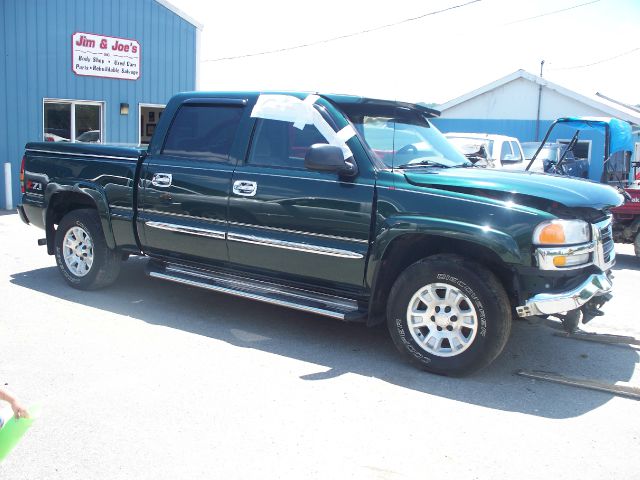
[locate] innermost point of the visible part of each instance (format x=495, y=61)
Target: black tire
x=106, y=262
x=636, y=244
x=487, y=299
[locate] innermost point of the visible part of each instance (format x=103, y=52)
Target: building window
x=150, y=115
x=73, y=121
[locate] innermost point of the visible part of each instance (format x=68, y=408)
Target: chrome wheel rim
x=442, y=319
x=77, y=251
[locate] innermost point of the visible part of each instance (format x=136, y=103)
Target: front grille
x=605, y=254
x=607, y=244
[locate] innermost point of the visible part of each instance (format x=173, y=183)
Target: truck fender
x=501, y=243
x=91, y=192
x=440, y=236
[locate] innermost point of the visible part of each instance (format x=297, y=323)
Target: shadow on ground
x=337, y=348
x=626, y=262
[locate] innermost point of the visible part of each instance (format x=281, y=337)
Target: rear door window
x=203, y=131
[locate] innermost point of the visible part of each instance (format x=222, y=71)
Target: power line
x=348, y=35
x=599, y=61
x=550, y=13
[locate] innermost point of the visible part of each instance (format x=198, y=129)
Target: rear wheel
x=448, y=315
x=81, y=251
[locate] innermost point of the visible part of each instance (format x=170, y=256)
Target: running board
x=322, y=304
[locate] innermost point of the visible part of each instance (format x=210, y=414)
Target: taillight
x=22, y=187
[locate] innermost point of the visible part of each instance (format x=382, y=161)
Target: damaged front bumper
x=595, y=285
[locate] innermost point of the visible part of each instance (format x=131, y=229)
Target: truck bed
x=102, y=150
x=105, y=172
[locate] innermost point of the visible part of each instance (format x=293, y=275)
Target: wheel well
x=408, y=249
x=59, y=205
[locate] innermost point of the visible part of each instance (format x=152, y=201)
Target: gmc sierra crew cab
x=353, y=208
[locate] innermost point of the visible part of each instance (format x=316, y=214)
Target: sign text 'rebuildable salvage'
x=103, y=56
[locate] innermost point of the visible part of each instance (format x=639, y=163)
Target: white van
x=499, y=151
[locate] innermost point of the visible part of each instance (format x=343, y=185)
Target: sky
x=432, y=59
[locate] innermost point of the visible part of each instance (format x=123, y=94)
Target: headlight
x=563, y=244
x=562, y=232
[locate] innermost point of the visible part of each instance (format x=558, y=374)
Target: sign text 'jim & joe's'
x=103, y=56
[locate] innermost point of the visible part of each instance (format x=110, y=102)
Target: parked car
x=498, y=151
x=550, y=155
x=282, y=198
x=90, y=136
x=52, y=137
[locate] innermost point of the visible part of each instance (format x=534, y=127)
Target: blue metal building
x=89, y=70
x=523, y=105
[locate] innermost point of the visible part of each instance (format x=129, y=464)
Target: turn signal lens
x=571, y=260
x=560, y=261
x=552, y=234
x=562, y=232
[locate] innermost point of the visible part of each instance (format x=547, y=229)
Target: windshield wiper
x=423, y=163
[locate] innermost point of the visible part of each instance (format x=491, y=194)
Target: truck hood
x=570, y=192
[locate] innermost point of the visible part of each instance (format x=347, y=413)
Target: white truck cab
x=499, y=151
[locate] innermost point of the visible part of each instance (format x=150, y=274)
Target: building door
x=149, y=115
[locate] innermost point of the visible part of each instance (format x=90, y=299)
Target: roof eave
x=181, y=14
x=593, y=103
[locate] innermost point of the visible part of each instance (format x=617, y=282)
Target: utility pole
x=539, y=102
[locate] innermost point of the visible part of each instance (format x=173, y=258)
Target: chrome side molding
x=255, y=240
x=203, y=232
x=300, y=247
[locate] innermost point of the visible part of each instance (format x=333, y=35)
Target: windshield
x=404, y=138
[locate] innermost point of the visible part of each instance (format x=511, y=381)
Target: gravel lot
x=154, y=380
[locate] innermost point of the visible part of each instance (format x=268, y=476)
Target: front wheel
x=82, y=254
x=448, y=315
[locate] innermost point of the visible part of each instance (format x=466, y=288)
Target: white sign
x=103, y=56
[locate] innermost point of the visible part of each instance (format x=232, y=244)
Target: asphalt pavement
x=153, y=380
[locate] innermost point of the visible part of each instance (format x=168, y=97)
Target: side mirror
x=328, y=158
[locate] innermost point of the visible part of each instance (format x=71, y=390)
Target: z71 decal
x=31, y=185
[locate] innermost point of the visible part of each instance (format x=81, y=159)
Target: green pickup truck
x=349, y=207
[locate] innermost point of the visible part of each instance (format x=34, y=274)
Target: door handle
x=161, y=180
x=245, y=188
